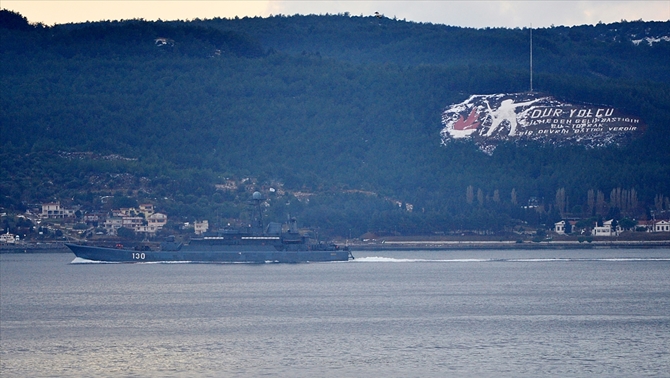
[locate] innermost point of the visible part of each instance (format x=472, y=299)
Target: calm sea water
x=393, y=314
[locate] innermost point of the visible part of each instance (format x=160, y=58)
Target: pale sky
x=478, y=14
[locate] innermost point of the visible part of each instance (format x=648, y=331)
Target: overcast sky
x=478, y=14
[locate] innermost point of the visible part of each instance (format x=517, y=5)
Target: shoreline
x=506, y=245
x=34, y=248
x=416, y=245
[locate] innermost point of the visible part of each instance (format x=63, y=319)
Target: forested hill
x=341, y=110
x=602, y=50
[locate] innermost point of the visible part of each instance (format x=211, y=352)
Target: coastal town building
x=142, y=220
x=155, y=222
x=607, y=229
x=112, y=224
x=126, y=212
x=54, y=210
x=559, y=227
x=645, y=225
x=662, y=226
x=8, y=238
x=147, y=209
x=90, y=218
x=133, y=223
x=201, y=227
x=653, y=226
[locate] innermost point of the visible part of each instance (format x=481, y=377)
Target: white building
x=662, y=226
x=559, y=227
x=133, y=223
x=112, y=224
x=128, y=218
x=201, y=227
x=154, y=223
x=157, y=221
x=54, y=210
x=147, y=209
x=606, y=229
x=8, y=238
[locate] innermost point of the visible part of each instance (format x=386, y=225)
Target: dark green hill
x=603, y=50
x=333, y=105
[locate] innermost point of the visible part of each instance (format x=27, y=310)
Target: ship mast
x=257, y=198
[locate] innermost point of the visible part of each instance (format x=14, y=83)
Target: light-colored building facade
x=150, y=225
x=201, y=227
x=8, y=238
x=559, y=227
x=53, y=210
x=662, y=226
x=133, y=223
x=155, y=222
x=147, y=209
x=607, y=229
x=112, y=224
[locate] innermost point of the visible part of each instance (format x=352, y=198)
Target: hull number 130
x=138, y=256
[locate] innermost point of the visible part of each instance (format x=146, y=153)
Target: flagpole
x=531, y=58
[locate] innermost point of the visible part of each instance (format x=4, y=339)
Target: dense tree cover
x=344, y=107
x=602, y=50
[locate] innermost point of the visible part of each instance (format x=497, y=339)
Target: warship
x=276, y=243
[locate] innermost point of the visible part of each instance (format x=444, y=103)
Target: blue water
x=394, y=314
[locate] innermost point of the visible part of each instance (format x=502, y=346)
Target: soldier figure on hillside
x=505, y=112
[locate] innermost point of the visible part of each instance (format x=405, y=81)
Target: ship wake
x=379, y=259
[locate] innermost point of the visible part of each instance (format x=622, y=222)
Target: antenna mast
x=531, y=58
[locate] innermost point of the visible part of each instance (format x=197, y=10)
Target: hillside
x=602, y=50
x=340, y=115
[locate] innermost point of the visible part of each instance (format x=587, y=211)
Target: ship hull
x=205, y=255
